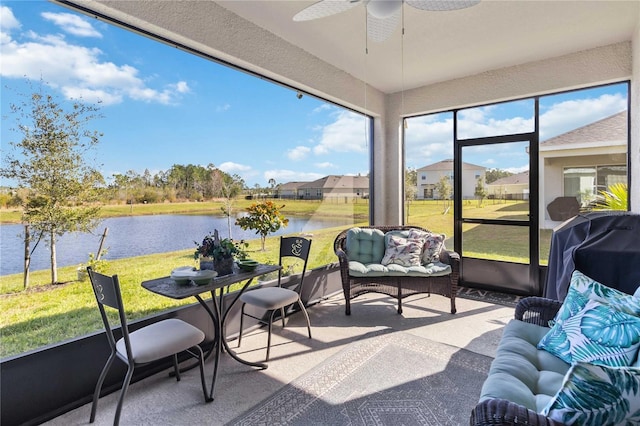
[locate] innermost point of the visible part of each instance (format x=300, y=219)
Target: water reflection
x=135, y=236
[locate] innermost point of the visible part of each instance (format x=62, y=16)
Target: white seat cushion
x=160, y=340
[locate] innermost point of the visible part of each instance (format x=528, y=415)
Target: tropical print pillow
x=597, y=334
x=402, y=251
x=582, y=285
x=595, y=395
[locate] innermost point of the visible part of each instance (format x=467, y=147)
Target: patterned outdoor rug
x=489, y=296
x=392, y=378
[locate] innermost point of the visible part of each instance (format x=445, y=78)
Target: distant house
x=583, y=162
x=429, y=176
x=514, y=187
x=288, y=190
x=335, y=186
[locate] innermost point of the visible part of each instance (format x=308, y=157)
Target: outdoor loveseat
x=397, y=261
x=583, y=371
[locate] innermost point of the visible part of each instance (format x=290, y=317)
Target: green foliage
x=614, y=198
x=264, y=218
x=213, y=246
x=99, y=265
x=50, y=163
x=492, y=175
x=480, y=191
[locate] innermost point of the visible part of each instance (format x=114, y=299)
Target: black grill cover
x=604, y=246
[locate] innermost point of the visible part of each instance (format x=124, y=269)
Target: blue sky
x=162, y=106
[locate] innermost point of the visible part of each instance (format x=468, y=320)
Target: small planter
x=223, y=266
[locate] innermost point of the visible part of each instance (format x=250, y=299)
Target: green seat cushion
x=359, y=269
x=521, y=373
x=365, y=245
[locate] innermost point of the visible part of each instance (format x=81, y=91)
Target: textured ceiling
x=440, y=46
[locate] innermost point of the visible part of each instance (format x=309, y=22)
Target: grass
x=300, y=208
x=46, y=314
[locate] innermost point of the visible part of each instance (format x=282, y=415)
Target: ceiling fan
x=382, y=15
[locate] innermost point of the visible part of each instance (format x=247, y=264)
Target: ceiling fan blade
x=379, y=30
x=324, y=8
x=441, y=5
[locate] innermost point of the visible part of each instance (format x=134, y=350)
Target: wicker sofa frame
x=394, y=286
x=534, y=310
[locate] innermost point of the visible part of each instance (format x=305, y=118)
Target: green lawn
x=46, y=314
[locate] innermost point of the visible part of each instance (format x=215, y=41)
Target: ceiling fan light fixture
x=382, y=9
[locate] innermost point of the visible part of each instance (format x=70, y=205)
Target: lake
x=134, y=236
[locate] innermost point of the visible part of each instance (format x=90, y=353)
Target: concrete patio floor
x=160, y=400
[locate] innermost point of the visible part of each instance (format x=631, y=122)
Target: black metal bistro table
x=167, y=287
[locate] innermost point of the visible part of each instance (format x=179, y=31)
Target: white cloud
x=516, y=170
x=231, y=167
x=72, y=24
x=298, y=153
x=284, y=176
x=75, y=69
x=221, y=108
x=325, y=165
x=469, y=128
x=323, y=107
x=428, y=140
x=568, y=115
x=345, y=134
x=8, y=21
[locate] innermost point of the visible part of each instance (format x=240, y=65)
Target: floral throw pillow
x=433, y=245
x=597, y=334
x=595, y=395
x=402, y=251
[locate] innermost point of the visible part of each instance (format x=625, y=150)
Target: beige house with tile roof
x=584, y=161
x=288, y=190
x=335, y=186
x=514, y=187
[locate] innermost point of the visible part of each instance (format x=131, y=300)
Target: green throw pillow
x=593, y=290
x=597, y=334
x=595, y=395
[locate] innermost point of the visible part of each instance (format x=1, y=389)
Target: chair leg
x=176, y=370
x=306, y=315
x=282, y=316
x=197, y=353
x=96, y=392
x=269, y=334
x=123, y=392
x=241, y=323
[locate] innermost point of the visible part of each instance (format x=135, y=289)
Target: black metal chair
x=274, y=299
x=163, y=339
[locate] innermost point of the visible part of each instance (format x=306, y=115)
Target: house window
x=586, y=183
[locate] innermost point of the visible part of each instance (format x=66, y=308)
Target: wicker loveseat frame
x=494, y=411
x=397, y=287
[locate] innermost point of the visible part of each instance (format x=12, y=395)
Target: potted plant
x=219, y=254
x=96, y=263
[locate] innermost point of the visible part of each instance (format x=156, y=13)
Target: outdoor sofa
x=397, y=261
x=584, y=370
